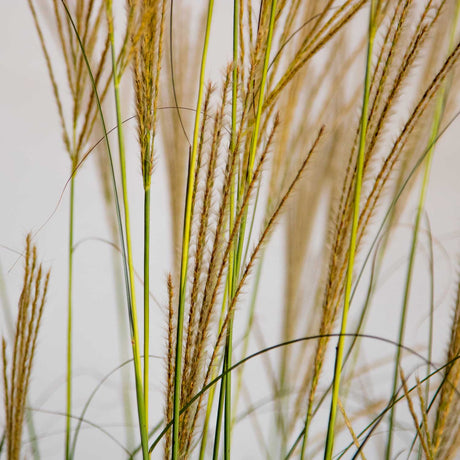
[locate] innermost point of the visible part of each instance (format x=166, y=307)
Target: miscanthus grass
x=313, y=133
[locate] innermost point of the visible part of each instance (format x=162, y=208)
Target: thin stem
x=352, y=249
x=228, y=391
x=402, y=324
x=260, y=104
x=186, y=241
x=235, y=260
x=74, y=164
x=227, y=381
x=220, y=410
x=212, y=390
x=69, y=316
x=146, y=300
x=134, y=326
x=207, y=417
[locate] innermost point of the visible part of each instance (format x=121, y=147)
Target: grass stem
x=186, y=241
x=353, y=237
x=69, y=316
x=232, y=273
x=146, y=300
x=135, y=334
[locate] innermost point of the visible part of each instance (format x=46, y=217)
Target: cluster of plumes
x=16, y=374
x=77, y=116
x=227, y=179
x=92, y=20
x=213, y=240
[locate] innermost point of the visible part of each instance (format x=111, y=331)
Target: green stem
x=207, y=417
x=186, y=241
x=260, y=103
x=402, y=324
x=123, y=339
x=134, y=326
x=212, y=390
x=235, y=260
x=69, y=316
x=352, y=249
x=220, y=411
x=146, y=300
x=227, y=381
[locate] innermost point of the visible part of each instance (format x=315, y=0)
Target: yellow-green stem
x=207, y=417
x=232, y=273
x=134, y=325
x=235, y=258
x=212, y=390
x=69, y=316
x=146, y=300
x=186, y=241
x=228, y=391
x=402, y=324
x=353, y=237
x=260, y=104
x=220, y=411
